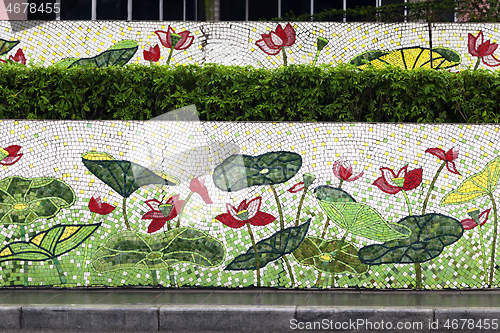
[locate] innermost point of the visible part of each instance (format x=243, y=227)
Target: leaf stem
x=292, y=279
x=284, y=56
x=326, y=227
x=300, y=206
x=256, y=254
x=124, y=209
x=59, y=269
x=494, y=244
x=477, y=63
x=282, y=222
x=424, y=207
x=418, y=277
x=485, y=266
x=182, y=208
x=337, y=254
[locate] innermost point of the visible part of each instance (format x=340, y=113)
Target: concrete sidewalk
x=157, y=310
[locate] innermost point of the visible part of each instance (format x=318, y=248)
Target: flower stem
x=337, y=254
x=182, y=208
x=477, y=63
x=124, y=208
x=485, y=267
x=418, y=277
x=289, y=270
x=282, y=223
x=316, y=57
x=494, y=244
x=284, y=56
x=300, y=207
x=170, y=55
x=424, y=207
x=341, y=182
x=407, y=202
x=256, y=254
x=326, y=227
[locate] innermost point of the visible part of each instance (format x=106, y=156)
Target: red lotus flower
x=449, y=157
x=273, y=43
x=161, y=213
x=392, y=183
x=297, y=187
x=484, y=50
x=184, y=42
x=245, y=213
x=19, y=57
x=152, y=54
x=10, y=155
x=198, y=186
x=344, y=172
x=469, y=224
x=99, y=207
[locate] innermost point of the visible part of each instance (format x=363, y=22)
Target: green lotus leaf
x=241, y=171
x=24, y=200
x=48, y=244
x=409, y=58
x=270, y=249
x=322, y=253
x=362, y=220
x=430, y=234
x=332, y=194
x=7, y=45
x=117, y=55
x=133, y=250
x=480, y=184
x=123, y=176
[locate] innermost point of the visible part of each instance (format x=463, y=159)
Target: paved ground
x=156, y=310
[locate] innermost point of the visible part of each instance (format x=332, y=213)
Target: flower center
x=243, y=215
x=3, y=151
x=400, y=181
x=325, y=257
x=264, y=171
x=474, y=213
x=20, y=206
x=154, y=256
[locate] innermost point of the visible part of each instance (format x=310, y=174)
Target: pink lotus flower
x=469, y=224
x=152, y=54
x=184, y=42
x=483, y=50
x=161, y=213
x=245, y=213
x=198, y=186
x=10, y=155
x=449, y=157
x=343, y=171
x=273, y=43
x=391, y=183
x=99, y=207
x=19, y=57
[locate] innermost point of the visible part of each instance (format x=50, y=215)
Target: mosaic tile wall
x=215, y=204
x=260, y=44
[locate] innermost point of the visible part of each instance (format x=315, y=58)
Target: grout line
x=103, y=298
x=210, y=294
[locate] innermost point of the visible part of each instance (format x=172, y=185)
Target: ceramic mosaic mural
x=216, y=204
x=259, y=44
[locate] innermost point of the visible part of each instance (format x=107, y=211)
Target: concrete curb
x=246, y=318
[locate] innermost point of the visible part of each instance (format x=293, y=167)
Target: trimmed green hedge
x=230, y=93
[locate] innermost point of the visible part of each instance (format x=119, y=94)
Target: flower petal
x=233, y=212
x=491, y=61
x=468, y=224
x=389, y=175
x=276, y=39
x=266, y=49
x=198, y=186
x=297, y=187
x=164, y=38
x=153, y=214
x=106, y=209
x=452, y=154
x=153, y=204
x=290, y=33
x=228, y=220
x=156, y=225
x=355, y=177
x=261, y=219
x=13, y=150
x=385, y=187
x=336, y=168
x=412, y=179
x=452, y=168
x=11, y=159
x=253, y=207
x=483, y=217
x=438, y=152
x=472, y=45
x=185, y=41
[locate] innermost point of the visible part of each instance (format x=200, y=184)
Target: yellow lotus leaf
x=475, y=186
